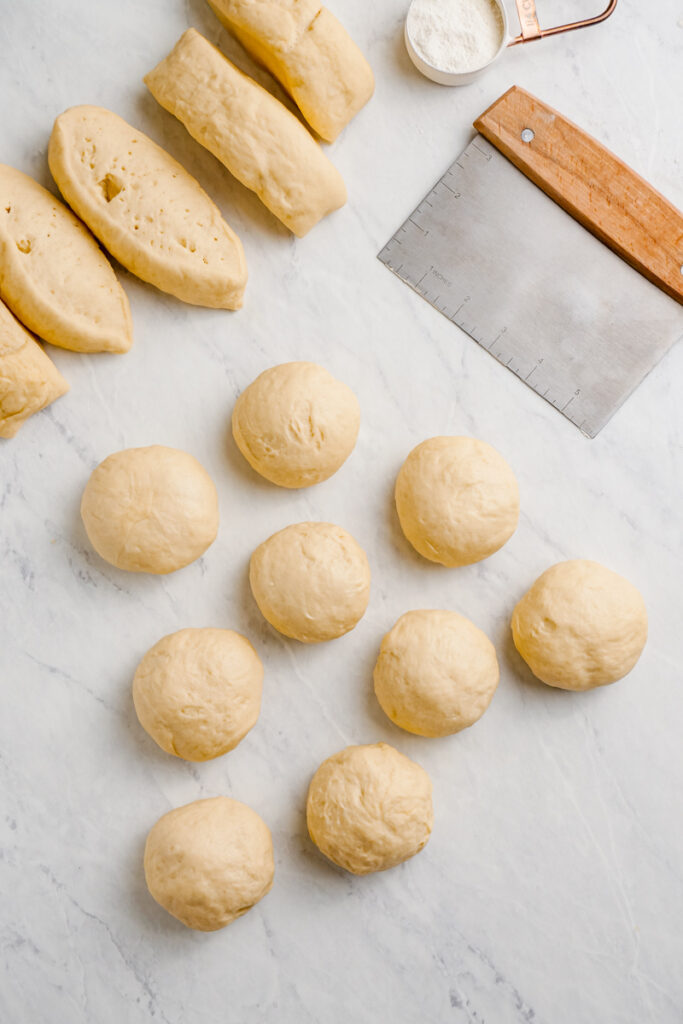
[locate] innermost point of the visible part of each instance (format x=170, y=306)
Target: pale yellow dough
x=296, y=424
x=146, y=209
x=29, y=380
x=197, y=692
x=436, y=673
x=369, y=808
x=53, y=274
x=209, y=862
x=150, y=509
x=304, y=46
x=254, y=135
x=457, y=500
x=311, y=581
x=580, y=626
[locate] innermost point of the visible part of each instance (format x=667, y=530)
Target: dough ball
x=150, y=509
x=209, y=862
x=296, y=424
x=369, y=808
x=457, y=500
x=311, y=581
x=581, y=625
x=436, y=673
x=197, y=692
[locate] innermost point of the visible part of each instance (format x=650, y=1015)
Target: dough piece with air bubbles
x=209, y=862
x=369, y=808
x=197, y=692
x=436, y=673
x=146, y=209
x=457, y=500
x=311, y=581
x=150, y=509
x=53, y=275
x=580, y=626
x=29, y=380
x=296, y=424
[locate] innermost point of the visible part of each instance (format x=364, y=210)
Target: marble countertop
x=552, y=888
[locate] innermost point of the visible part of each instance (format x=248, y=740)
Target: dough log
x=29, y=380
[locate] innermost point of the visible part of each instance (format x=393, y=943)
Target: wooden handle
x=590, y=183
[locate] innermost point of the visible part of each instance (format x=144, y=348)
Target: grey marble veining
x=552, y=888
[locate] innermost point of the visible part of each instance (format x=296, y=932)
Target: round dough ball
x=311, y=581
x=580, y=626
x=436, y=673
x=150, y=509
x=209, y=862
x=369, y=808
x=296, y=424
x=457, y=500
x=197, y=692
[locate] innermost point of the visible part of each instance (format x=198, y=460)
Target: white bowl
x=455, y=77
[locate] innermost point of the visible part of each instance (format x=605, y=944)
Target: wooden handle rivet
x=528, y=135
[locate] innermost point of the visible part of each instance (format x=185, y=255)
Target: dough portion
x=150, y=509
x=53, y=275
x=152, y=215
x=580, y=626
x=29, y=380
x=369, y=808
x=197, y=692
x=311, y=581
x=310, y=53
x=254, y=135
x=436, y=673
x=457, y=500
x=296, y=424
x=209, y=862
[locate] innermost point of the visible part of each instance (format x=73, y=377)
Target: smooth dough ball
x=369, y=808
x=457, y=500
x=150, y=509
x=311, y=581
x=581, y=625
x=197, y=692
x=436, y=673
x=296, y=424
x=209, y=862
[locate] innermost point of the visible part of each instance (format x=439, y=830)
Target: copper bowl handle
x=531, y=29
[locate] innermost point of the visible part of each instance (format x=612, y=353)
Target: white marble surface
x=552, y=888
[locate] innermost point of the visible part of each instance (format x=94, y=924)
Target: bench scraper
x=580, y=307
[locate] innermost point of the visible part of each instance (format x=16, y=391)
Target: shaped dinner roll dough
x=209, y=862
x=146, y=209
x=150, y=509
x=580, y=626
x=254, y=135
x=369, y=808
x=457, y=500
x=436, y=673
x=197, y=692
x=296, y=424
x=29, y=380
x=53, y=274
x=311, y=581
x=309, y=52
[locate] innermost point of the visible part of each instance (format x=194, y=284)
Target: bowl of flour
x=453, y=41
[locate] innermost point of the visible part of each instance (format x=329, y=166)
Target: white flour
x=455, y=35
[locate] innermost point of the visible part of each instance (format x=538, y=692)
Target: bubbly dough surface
x=29, y=380
x=152, y=215
x=209, y=862
x=296, y=424
x=197, y=692
x=150, y=509
x=580, y=626
x=457, y=500
x=369, y=808
x=436, y=673
x=311, y=581
x=53, y=275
